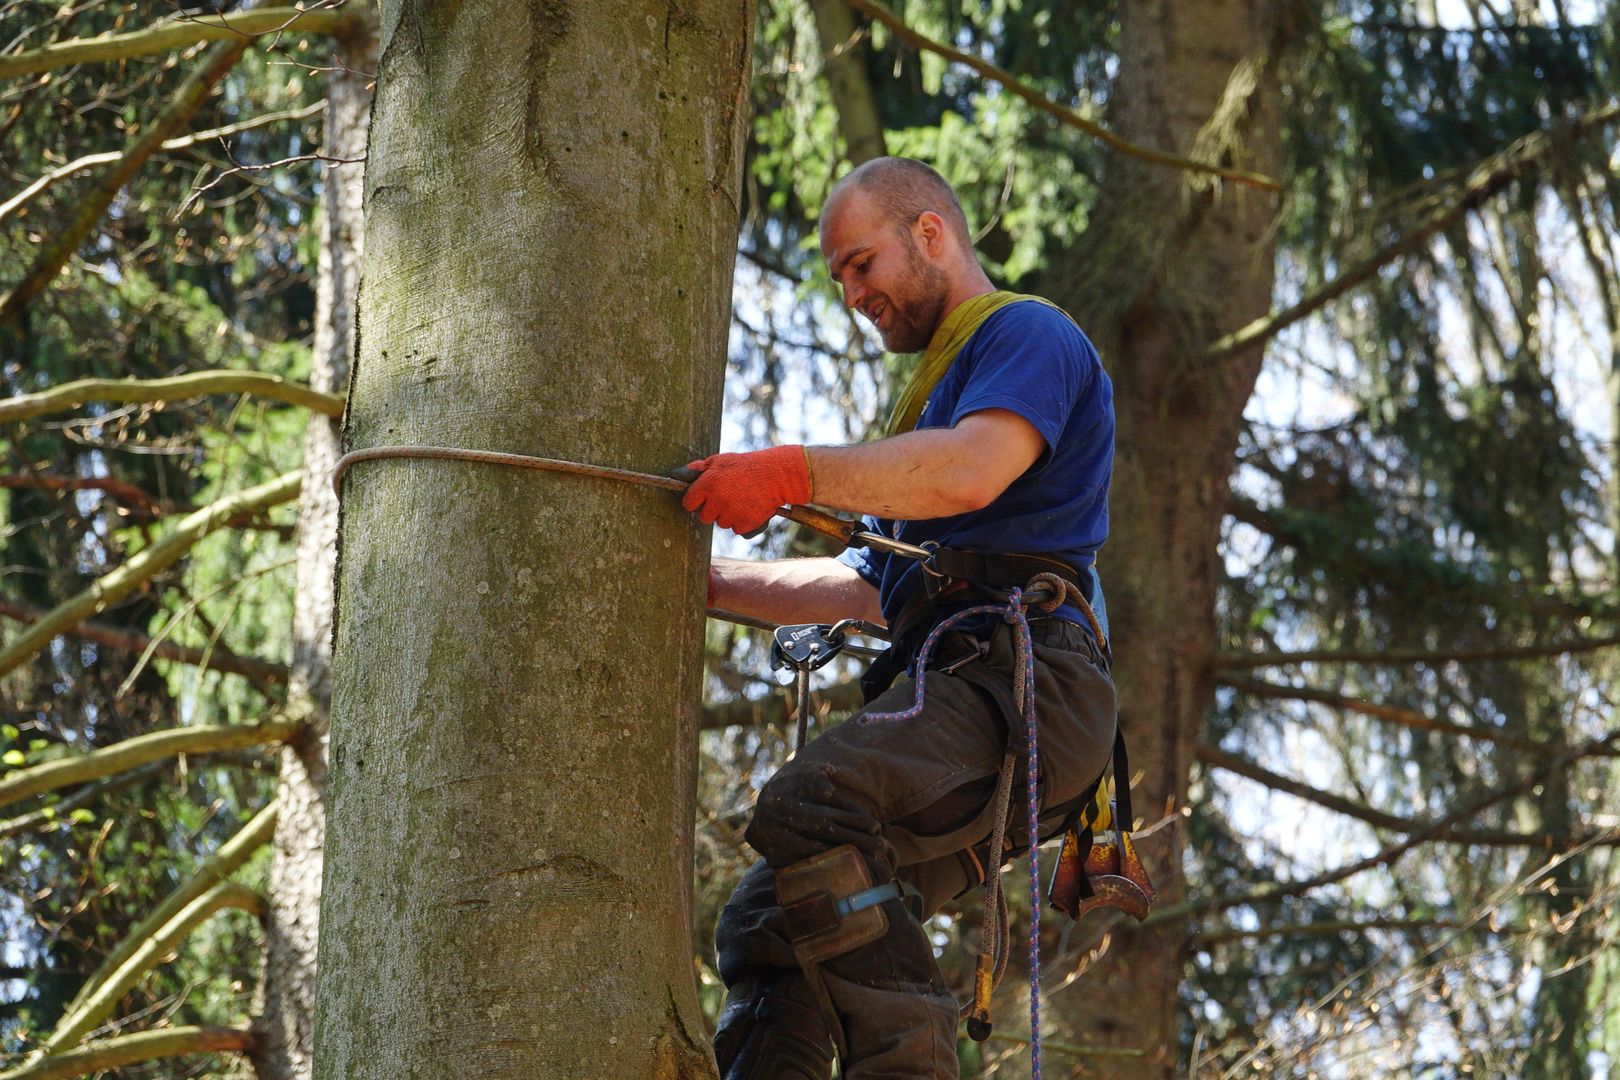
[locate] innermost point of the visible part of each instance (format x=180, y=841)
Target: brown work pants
x=913, y=796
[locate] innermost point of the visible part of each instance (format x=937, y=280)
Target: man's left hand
x=741, y=492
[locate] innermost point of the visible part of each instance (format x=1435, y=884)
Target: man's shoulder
x=1033, y=321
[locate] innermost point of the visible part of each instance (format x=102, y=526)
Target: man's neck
x=971, y=285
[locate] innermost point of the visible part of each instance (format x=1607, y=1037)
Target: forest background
x=1380, y=798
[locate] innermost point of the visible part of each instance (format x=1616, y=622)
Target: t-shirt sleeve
x=861, y=559
x=1031, y=360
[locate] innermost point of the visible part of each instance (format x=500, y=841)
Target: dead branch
x=1396, y=714
x=1236, y=661
x=1220, y=759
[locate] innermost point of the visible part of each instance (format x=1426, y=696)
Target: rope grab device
x=1097, y=865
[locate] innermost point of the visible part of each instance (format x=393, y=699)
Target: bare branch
x=90, y=161
x=19, y=784
x=1485, y=180
x=1238, y=661
x=176, y=388
x=197, y=193
x=54, y=254
x=224, y=862
x=146, y=955
x=239, y=27
x=143, y=566
x=131, y=1049
x=1045, y=104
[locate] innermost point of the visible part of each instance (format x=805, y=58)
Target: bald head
x=903, y=190
x=897, y=244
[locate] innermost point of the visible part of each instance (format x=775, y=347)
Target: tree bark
x=283, y=1026
x=1170, y=265
x=551, y=222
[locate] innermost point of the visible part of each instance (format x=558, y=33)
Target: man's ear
x=930, y=232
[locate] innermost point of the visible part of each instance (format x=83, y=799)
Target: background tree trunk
x=550, y=228
x=1170, y=264
x=284, y=1020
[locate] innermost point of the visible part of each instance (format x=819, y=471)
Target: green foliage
x=154, y=290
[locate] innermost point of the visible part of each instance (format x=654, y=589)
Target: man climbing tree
x=998, y=460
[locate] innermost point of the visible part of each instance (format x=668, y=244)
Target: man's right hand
x=741, y=492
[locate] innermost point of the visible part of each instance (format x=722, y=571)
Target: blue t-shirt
x=1029, y=359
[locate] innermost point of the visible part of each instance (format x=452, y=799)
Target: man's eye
x=861, y=269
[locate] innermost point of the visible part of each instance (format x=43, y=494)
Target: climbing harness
x=1117, y=883
x=1089, y=873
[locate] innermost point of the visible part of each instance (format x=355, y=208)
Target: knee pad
x=802, y=813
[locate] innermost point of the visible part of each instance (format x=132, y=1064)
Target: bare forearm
x=937, y=472
x=794, y=590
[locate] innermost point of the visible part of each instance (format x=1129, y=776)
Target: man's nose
x=853, y=296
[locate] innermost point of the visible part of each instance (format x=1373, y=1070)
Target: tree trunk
x=1170, y=265
x=843, y=65
x=551, y=220
x=284, y=1020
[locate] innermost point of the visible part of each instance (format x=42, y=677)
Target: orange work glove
x=741, y=492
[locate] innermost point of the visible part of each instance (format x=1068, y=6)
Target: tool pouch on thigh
x=831, y=908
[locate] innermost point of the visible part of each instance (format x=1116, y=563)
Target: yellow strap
x=948, y=340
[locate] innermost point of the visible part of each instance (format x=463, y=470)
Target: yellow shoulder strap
x=949, y=338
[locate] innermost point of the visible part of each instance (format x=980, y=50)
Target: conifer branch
x=1485, y=180
x=20, y=784
x=238, y=27
x=1010, y=82
x=224, y=862
x=1323, y=928
x=56, y=251
x=143, y=566
x=132, y=1049
x=1601, y=747
x=175, y=388
x=1397, y=714
x=1238, y=661
x=146, y=955
x=1220, y=759
x=90, y=161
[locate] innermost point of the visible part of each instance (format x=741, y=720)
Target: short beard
x=917, y=316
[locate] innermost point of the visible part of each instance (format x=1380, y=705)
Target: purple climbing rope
x=1013, y=613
